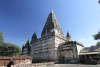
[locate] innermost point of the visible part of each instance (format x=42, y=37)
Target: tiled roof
x=15, y=57
x=72, y=42
x=91, y=49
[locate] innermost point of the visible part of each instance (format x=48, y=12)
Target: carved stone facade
x=15, y=60
x=69, y=51
x=42, y=49
x=46, y=47
x=26, y=48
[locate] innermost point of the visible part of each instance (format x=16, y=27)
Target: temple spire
x=51, y=10
x=51, y=24
x=34, y=32
x=67, y=30
x=24, y=42
x=68, y=36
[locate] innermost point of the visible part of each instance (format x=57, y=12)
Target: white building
x=46, y=47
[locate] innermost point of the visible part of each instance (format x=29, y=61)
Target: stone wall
x=34, y=65
x=16, y=60
x=43, y=49
x=68, y=51
x=46, y=49
x=4, y=62
x=22, y=61
x=58, y=41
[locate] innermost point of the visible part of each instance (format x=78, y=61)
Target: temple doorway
x=63, y=59
x=10, y=63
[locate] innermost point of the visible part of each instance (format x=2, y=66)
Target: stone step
x=35, y=65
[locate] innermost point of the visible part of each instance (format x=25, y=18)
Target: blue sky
x=20, y=18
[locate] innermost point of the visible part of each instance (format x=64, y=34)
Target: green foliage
x=98, y=43
x=1, y=38
x=9, y=50
x=97, y=36
x=95, y=56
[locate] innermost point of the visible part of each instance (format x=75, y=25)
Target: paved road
x=68, y=65
x=73, y=65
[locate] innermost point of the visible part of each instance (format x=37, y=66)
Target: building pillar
x=85, y=56
x=73, y=53
x=76, y=52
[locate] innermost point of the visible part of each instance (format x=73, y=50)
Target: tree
x=98, y=43
x=1, y=38
x=9, y=50
x=97, y=36
x=13, y=49
x=99, y=1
